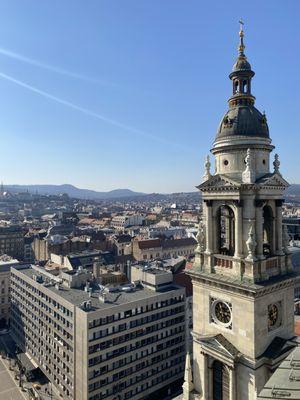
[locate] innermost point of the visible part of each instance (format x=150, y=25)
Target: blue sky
x=107, y=94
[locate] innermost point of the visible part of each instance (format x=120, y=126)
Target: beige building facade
x=151, y=249
x=96, y=345
x=243, y=281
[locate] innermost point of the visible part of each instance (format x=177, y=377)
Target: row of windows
x=135, y=311
x=132, y=358
x=154, y=340
x=26, y=308
x=39, y=294
x=140, y=332
x=140, y=388
x=38, y=304
x=135, y=323
x=174, y=254
x=30, y=320
x=117, y=377
x=42, y=351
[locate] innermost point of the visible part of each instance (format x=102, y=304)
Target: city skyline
x=113, y=96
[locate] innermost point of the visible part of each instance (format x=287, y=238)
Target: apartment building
x=6, y=262
x=121, y=222
x=150, y=249
x=12, y=241
x=94, y=344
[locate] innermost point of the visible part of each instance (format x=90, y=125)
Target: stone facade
x=243, y=281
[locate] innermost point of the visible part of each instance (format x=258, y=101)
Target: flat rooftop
x=77, y=296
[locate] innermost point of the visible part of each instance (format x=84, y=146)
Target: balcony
x=223, y=261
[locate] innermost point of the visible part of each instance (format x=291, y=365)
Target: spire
x=188, y=385
x=241, y=47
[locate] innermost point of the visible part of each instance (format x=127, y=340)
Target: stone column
x=206, y=382
x=278, y=204
x=274, y=238
x=232, y=387
x=259, y=229
x=238, y=230
x=209, y=227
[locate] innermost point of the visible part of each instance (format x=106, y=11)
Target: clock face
x=273, y=315
x=221, y=313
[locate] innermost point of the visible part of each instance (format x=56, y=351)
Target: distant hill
x=73, y=191
x=292, y=193
x=293, y=190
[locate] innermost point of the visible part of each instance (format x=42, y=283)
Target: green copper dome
x=243, y=121
x=242, y=118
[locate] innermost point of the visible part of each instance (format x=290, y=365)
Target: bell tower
x=243, y=282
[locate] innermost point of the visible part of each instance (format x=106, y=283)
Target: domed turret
x=243, y=126
x=242, y=118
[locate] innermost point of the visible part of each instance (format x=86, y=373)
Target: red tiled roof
x=149, y=244
x=171, y=243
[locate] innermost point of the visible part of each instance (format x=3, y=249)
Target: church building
x=243, y=281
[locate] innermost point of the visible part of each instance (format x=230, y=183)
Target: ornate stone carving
x=248, y=175
x=276, y=164
x=207, y=166
x=200, y=238
x=251, y=244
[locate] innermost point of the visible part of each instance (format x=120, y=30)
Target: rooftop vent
x=86, y=305
x=102, y=297
x=38, y=278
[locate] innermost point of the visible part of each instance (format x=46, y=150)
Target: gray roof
x=77, y=296
x=243, y=121
x=285, y=381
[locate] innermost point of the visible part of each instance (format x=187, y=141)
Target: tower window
x=245, y=87
x=268, y=234
x=236, y=86
x=226, y=231
x=264, y=161
x=226, y=162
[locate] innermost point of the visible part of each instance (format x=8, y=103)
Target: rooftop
x=284, y=383
x=122, y=296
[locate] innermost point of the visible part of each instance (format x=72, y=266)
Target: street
x=9, y=389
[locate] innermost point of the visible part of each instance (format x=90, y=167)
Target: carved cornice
x=253, y=291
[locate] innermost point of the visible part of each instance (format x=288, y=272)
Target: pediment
x=273, y=180
x=219, y=344
x=218, y=182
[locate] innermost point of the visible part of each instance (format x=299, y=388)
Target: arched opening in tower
x=220, y=381
x=268, y=234
x=226, y=231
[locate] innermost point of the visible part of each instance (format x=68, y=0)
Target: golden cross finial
x=241, y=47
x=241, y=24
